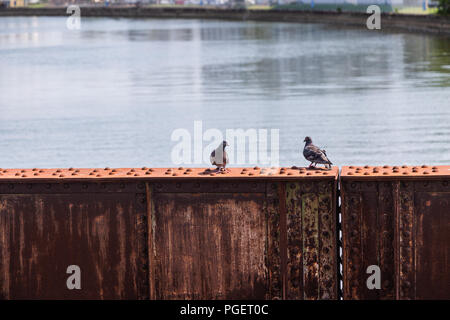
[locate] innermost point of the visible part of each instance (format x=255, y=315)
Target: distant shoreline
x=400, y=22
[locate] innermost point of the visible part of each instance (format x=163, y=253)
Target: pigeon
x=315, y=155
x=219, y=157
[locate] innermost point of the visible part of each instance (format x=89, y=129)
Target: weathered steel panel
x=261, y=233
x=43, y=234
x=209, y=246
x=311, y=232
x=396, y=218
x=275, y=281
x=432, y=246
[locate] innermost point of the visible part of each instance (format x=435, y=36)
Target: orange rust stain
x=176, y=173
x=394, y=171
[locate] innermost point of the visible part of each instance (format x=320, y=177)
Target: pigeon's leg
x=311, y=165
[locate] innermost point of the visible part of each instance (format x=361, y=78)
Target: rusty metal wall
x=399, y=219
x=169, y=233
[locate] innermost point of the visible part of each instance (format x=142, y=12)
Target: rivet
x=148, y=172
x=17, y=174
x=107, y=168
x=426, y=172
x=308, y=174
x=385, y=166
x=137, y=174
x=366, y=173
x=174, y=175
x=424, y=166
x=350, y=173
x=351, y=167
x=385, y=173
x=34, y=169
x=70, y=169
x=256, y=168
x=132, y=170
x=144, y=168
x=61, y=176
x=366, y=166
x=129, y=173
x=180, y=168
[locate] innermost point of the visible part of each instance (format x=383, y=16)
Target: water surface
x=112, y=93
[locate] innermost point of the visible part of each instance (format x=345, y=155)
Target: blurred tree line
x=444, y=6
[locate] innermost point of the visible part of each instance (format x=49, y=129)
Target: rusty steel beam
x=398, y=219
x=169, y=233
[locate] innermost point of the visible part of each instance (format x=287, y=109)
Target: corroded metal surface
x=151, y=173
x=389, y=172
x=168, y=233
x=400, y=223
x=42, y=234
x=311, y=235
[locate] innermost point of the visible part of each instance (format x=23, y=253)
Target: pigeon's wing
x=314, y=154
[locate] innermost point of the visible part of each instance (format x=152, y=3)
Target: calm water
x=112, y=93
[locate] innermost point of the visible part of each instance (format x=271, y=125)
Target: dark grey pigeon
x=314, y=154
x=219, y=157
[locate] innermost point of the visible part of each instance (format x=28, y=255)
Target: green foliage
x=444, y=7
